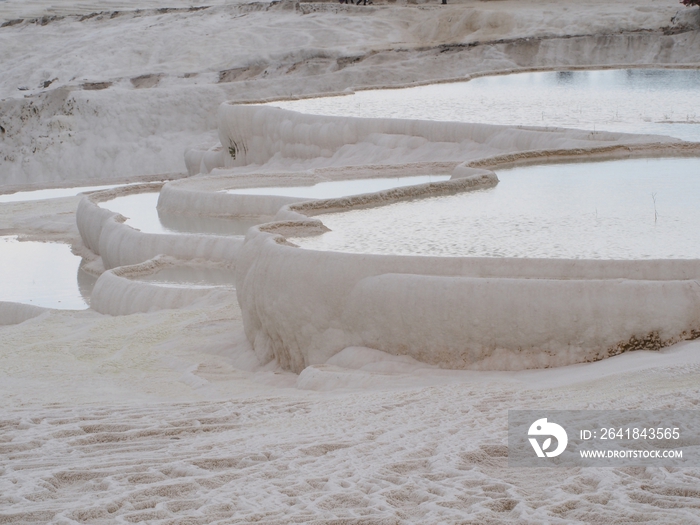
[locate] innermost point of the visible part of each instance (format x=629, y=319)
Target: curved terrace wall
x=116, y=293
x=105, y=234
x=257, y=135
x=301, y=306
x=204, y=196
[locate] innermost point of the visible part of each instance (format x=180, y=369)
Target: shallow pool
x=54, y=193
x=191, y=277
x=40, y=273
x=140, y=210
x=658, y=101
x=341, y=188
x=625, y=209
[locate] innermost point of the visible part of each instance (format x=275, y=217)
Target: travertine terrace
x=306, y=396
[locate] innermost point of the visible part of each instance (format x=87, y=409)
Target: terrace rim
x=301, y=307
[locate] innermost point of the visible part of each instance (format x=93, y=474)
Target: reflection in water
x=661, y=101
x=191, y=277
x=39, y=273
x=565, y=77
x=139, y=209
x=629, y=209
x=341, y=188
x=86, y=282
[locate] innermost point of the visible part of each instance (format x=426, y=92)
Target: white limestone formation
x=262, y=135
x=162, y=412
x=14, y=313
x=117, y=292
x=106, y=235
x=301, y=307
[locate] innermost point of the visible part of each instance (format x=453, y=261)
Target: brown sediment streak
x=113, y=193
x=295, y=228
x=382, y=198
x=650, y=341
x=654, y=149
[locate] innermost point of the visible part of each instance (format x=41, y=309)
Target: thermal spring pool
x=622, y=209
x=40, y=274
x=654, y=101
x=142, y=214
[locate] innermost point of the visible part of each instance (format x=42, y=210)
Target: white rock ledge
x=301, y=307
x=105, y=234
x=265, y=135
x=117, y=293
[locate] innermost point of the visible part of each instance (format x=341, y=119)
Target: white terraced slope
x=169, y=404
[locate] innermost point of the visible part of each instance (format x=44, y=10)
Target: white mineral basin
x=341, y=188
x=140, y=210
x=191, y=277
x=654, y=101
x=623, y=209
x=54, y=193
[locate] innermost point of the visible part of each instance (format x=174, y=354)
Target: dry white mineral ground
x=167, y=416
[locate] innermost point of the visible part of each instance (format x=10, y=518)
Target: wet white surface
x=140, y=210
x=341, y=188
x=155, y=418
x=661, y=101
x=628, y=209
x=40, y=274
x=191, y=277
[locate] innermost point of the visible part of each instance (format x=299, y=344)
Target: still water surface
x=140, y=210
x=40, y=273
x=54, y=193
x=142, y=214
x=341, y=188
x=191, y=277
x=625, y=209
x=655, y=101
